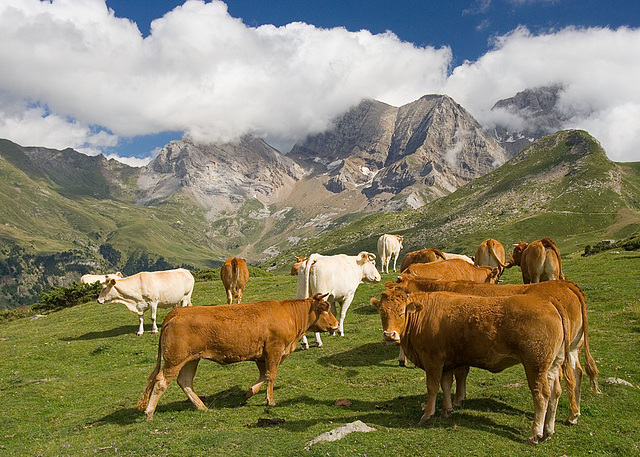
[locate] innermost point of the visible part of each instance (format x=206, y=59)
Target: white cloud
x=201, y=71
x=204, y=73
x=597, y=68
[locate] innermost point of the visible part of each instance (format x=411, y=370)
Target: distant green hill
x=63, y=214
x=563, y=186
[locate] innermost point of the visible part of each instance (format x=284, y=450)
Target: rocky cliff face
x=219, y=177
x=528, y=116
x=399, y=156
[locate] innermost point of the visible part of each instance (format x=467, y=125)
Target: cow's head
x=516, y=256
x=368, y=263
x=400, y=239
x=393, y=307
x=322, y=320
x=296, y=266
x=108, y=291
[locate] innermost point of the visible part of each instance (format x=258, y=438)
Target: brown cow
x=422, y=256
x=265, y=332
x=296, y=266
x=564, y=294
x=539, y=260
x=490, y=253
x=235, y=275
x=454, y=270
x=441, y=331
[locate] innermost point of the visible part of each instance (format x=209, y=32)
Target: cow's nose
x=100, y=300
x=390, y=336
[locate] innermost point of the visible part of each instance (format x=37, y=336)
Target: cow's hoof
x=148, y=416
x=319, y=345
x=446, y=413
x=532, y=440
x=139, y=334
x=402, y=363
x=304, y=347
x=155, y=330
x=424, y=419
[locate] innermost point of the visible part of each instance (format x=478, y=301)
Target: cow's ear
x=414, y=307
x=119, y=274
x=375, y=303
x=371, y=257
x=111, y=282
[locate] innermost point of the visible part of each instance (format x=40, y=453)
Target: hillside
x=562, y=186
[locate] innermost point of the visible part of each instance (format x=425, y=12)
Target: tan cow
x=296, y=266
x=564, y=294
x=234, y=275
x=426, y=255
x=453, y=270
x=90, y=279
x=442, y=331
x=490, y=253
x=389, y=246
x=149, y=289
x=265, y=332
x=539, y=260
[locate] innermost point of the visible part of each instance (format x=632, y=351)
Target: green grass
x=69, y=383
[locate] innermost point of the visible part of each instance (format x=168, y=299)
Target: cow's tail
x=234, y=275
x=590, y=364
x=151, y=381
x=492, y=250
x=567, y=369
x=549, y=244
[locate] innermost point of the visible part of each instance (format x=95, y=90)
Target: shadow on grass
x=365, y=355
x=122, y=330
x=402, y=412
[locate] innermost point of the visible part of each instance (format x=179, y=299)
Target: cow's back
x=450, y=270
x=167, y=287
x=336, y=275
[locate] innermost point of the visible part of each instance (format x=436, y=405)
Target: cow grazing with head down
x=234, y=275
x=426, y=255
x=296, y=266
x=264, y=332
x=339, y=277
x=454, y=270
x=539, y=260
x=563, y=294
x=149, y=289
x=389, y=246
x=442, y=331
x=490, y=253
x=90, y=279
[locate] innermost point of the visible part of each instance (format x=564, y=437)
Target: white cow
x=149, y=289
x=336, y=275
x=466, y=258
x=389, y=245
x=90, y=279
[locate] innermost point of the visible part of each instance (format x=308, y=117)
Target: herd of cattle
x=446, y=311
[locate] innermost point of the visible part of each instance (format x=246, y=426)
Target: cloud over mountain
x=76, y=75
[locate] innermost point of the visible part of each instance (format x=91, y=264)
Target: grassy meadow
x=69, y=382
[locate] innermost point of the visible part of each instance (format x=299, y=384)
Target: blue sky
x=99, y=77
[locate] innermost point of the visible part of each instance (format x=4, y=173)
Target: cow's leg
x=334, y=311
x=446, y=382
x=343, y=312
x=154, y=310
x=272, y=370
x=163, y=379
x=553, y=377
x=304, y=344
x=140, y=325
x=240, y=292
x=402, y=358
x=460, y=374
x=261, y=379
x=433, y=385
x=572, y=419
x=318, y=340
x=540, y=391
x=229, y=297
x=185, y=380
x=395, y=261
